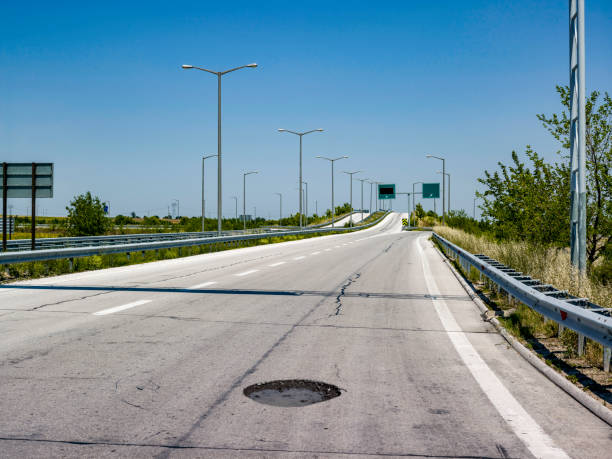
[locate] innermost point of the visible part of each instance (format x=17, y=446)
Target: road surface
x=152, y=360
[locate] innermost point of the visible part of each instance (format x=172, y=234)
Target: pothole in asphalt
x=291, y=392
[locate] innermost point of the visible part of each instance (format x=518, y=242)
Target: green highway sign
x=386, y=191
x=431, y=190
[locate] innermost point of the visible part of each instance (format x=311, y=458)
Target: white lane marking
x=327, y=250
x=121, y=308
x=204, y=284
x=315, y=253
x=338, y=246
x=274, y=265
x=246, y=273
x=523, y=425
x=299, y=258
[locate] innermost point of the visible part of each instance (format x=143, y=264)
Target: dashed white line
x=299, y=258
x=327, y=250
x=204, y=284
x=246, y=273
x=274, y=265
x=315, y=253
x=121, y=308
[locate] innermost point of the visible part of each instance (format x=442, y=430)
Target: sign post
x=25, y=180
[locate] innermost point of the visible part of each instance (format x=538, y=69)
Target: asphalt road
x=151, y=360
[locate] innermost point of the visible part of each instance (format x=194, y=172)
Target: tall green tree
x=598, y=163
x=528, y=202
x=86, y=216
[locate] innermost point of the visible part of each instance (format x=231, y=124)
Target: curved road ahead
x=151, y=360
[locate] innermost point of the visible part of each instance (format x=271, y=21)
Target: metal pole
x=203, y=203
x=219, y=187
x=577, y=136
x=351, y=188
x=333, y=208
x=300, y=187
x=4, y=203
x=33, y=206
x=370, y=207
x=361, y=180
x=244, y=200
x=306, y=205
x=443, y=193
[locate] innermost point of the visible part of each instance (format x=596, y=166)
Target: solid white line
x=315, y=253
x=523, y=425
x=121, y=308
x=205, y=284
x=299, y=258
x=274, y=265
x=246, y=273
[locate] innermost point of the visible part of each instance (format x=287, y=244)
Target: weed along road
x=359, y=344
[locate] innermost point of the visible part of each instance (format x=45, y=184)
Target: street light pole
x=244, y=195
x=204, y=158
x=219, y=181
x=362, y=180
x=280, y=211
x=443, y=187
x=332, y=161
x=350, y=174
x=300, y=134
x=306, y=205
x=577, y=136
x=370, y=207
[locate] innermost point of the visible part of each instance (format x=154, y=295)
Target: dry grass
x=550, y=265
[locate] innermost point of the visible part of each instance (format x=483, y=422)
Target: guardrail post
x=607, y=353
x=71, y=264
x=561, y=328
x=128, y=256
x=143, y=254
x=580, y=344
x=180, y=251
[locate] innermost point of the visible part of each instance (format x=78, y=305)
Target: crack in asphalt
x=352, y=279
x=68, y=301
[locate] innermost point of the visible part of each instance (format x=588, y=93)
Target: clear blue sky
x=98, y=90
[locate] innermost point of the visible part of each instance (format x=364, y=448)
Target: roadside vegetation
x=86, y=218
x=34, y=270
x=525, y=225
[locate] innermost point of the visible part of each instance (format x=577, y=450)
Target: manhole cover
x=291, y=392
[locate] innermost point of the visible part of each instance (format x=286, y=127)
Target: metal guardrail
x=76, y=252
x=578, y=314
x=84, y=241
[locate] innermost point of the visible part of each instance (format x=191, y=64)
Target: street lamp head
x=253, y=65
x=282, y=130
x=344, y=157
x=185, y=66
x=429, y=156
x=319, y=130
